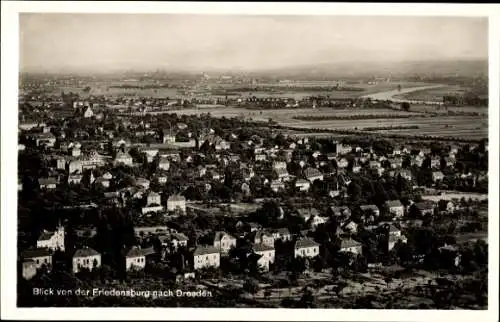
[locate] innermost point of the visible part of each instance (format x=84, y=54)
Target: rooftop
x=85, y=252
x=34, y=253
x=203, y=250
x=261, y=248
x=305, y=242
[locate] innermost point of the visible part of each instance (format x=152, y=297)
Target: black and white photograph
x=260, y=160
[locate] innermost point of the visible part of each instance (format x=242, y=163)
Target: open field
x=445, y=109
x=474, y=127
x=446, y=126
x=433, y=94
x=105, y=88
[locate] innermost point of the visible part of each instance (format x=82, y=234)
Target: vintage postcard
x=331, y=162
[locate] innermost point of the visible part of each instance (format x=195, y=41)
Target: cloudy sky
x=204, y=42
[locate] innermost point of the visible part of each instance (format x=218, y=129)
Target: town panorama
x=314, y=186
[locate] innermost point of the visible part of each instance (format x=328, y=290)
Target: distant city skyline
x=107, y=42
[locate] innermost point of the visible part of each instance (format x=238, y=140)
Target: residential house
x=266, y=253
x=206, y=256
x=341, y=212
x=53, y=240
x=315, y=221
x=86, y=258
x=277, y=185
x=150, y=153
x=404, y=173
x=281, y=174
x=350, y=227
x=394, y=236
x=135, y=258
x=312, y=174
x=437, y=176
x=264, y=237
x=88, y=113
x=75, y=178
x=396, y=163
x=423, y=208
x=342, y=163
x=370, y=210
x=283, y=234
x=122, y=158
x=435, y=162
x=446, y=206
x=306, y=247
x=47, y=183
x=373, y=164
x=102, y=181
x=34, y=259
x=417, y=161
x=176, y=202
x=307, y=213
x=142, y=183
x=153, y=199
x=450, y=162
x=224, y=242
x=349, y=245
x=179, y=240
x=75, y=166
x=395, y=207
x=303, y=185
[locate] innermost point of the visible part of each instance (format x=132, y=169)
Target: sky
x=80, y=42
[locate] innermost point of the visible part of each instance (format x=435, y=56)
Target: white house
x=263, y=237
x=53, y=240
x=351, y=246
x=224, y=242
x=395, y=207
x=306, y=247
x=206, y=256
x=135, y=258
x=313, y=174
x=88, y=113
x=153, y=199
x=47, y=183
x=266, y=253
x=303, y=185
x=175, y=202
x=123, y=158
x=86, y=258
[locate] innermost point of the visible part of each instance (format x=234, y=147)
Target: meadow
x=472, y=127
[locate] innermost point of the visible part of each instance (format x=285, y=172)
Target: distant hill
x=470, y=68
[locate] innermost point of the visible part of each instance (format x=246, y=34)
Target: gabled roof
x=312, y=172
x=135, y=252
x=305, y=242
x=425, y=204
x=85, y=252
x=46, y=181
x=261, y=248
x=176, y=198
x=369, y=207
x=35, y=253
x=393, y=203
x=180, y=237
x=204, y=250
x=348, y=243
x=283, y=231
x=221, y=234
